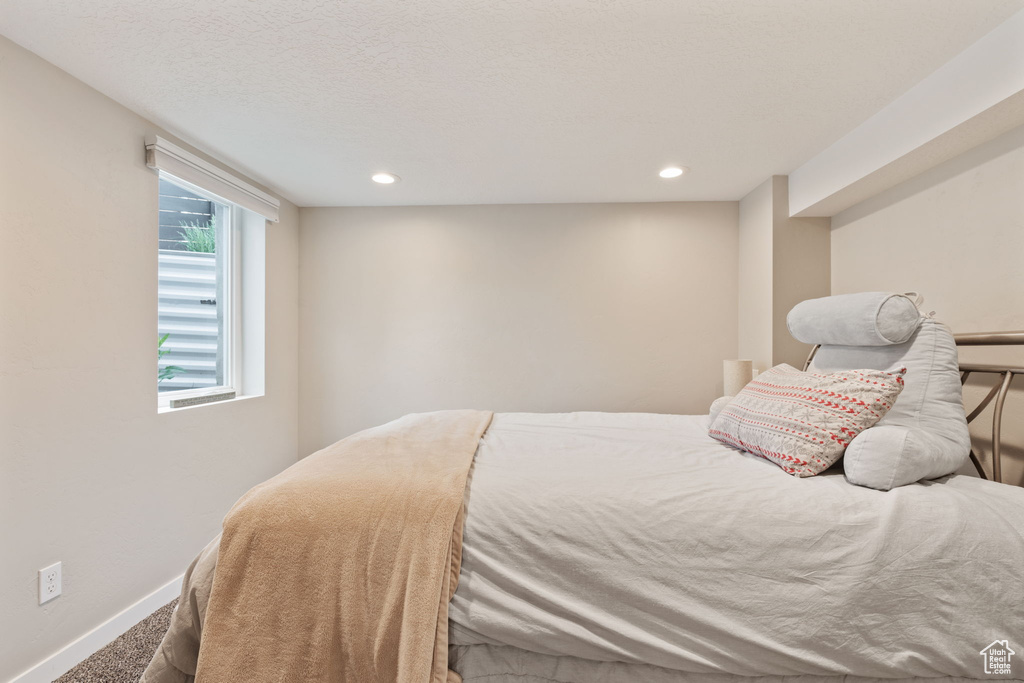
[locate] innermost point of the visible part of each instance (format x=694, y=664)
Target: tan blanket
x=341, y=567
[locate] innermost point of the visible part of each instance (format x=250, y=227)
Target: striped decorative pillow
x=803, y=421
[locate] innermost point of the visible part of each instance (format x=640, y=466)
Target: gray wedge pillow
x=865, y=319
x=925, y=434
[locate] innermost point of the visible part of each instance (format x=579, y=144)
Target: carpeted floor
x=124, y=660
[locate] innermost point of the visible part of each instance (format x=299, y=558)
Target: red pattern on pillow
x=803, y=421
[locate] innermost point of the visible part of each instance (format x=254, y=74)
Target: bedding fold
x=341, y=567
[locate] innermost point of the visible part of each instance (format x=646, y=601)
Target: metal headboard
x=1006, y=374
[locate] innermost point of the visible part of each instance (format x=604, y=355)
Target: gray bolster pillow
x=865, y=319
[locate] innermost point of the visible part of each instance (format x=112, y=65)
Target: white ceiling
x=504, y=101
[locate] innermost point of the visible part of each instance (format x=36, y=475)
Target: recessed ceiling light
x=672, y=172
x=385, y=178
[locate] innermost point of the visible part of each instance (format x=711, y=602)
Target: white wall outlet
x=49, y=583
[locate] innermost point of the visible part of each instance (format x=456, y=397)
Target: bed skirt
x=503, y=664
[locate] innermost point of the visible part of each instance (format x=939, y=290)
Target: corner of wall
x=801, y=267
x=755, y=254
x=782, y=261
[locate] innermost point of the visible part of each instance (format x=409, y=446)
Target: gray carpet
x=124, y=660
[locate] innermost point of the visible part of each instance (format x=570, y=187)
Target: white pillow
x=803, y=421
x=925, y=434
x=716, y=407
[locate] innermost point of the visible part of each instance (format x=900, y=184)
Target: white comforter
x=637, y=538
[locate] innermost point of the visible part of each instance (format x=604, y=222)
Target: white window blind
x=180, y=163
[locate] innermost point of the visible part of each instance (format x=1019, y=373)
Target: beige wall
x=956, y=235
x=90, y=474
x=801, y=270
x=756, y=228
x=782, y=261
x=615, y=307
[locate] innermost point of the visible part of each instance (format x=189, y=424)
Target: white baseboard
x=75, y=652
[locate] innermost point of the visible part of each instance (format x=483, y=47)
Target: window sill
x=167, y=409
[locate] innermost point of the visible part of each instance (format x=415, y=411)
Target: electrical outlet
x=49, y=583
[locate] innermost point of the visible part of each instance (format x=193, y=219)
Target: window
x=211, y=279
x=197, y=293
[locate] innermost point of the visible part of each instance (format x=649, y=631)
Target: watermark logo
x=997, y=657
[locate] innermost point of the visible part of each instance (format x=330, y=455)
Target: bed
x=649, y=545
x=606, y=548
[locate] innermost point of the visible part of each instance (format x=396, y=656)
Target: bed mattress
x=636, y=538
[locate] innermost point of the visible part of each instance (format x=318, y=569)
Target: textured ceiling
x=504, y=101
